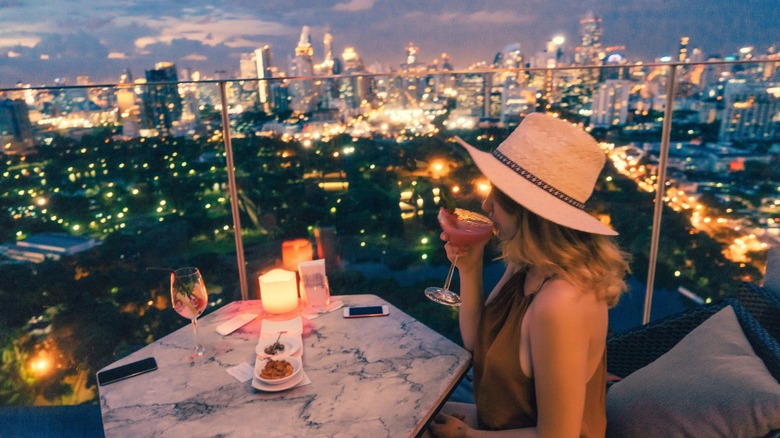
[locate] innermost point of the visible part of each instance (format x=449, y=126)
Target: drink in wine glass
x=464, y=228
x=189, y=298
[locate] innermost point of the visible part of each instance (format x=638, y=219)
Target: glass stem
x=198, y=347
x=449, y=274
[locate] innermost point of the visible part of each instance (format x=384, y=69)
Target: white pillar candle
x=279, y=291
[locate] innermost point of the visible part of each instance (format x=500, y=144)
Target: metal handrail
x=231, y=172
x=400, y=74
x=659, y=194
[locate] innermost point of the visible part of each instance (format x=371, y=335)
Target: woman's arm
x=471, y=292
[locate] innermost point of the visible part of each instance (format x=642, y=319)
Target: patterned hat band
x=537, y=181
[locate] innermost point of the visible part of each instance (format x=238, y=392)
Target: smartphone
x=364, y=311
x=124, y=371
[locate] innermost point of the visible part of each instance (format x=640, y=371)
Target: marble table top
x=380, y=376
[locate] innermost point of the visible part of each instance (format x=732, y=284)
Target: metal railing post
x=231, y=172
x=660, y=192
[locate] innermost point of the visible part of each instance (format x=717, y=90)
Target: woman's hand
x=449, y=426
x=469, y=257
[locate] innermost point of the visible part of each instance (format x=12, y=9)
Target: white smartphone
x=364, y=311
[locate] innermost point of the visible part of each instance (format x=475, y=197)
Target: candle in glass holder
x=279, y=291
x=296, y=251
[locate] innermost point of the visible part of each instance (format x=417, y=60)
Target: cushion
x=711, y=383
x=772, y=270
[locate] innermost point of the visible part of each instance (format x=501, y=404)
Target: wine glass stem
x=449, y=274
x=198, y=347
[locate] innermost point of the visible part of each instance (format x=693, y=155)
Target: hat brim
x=531, y=196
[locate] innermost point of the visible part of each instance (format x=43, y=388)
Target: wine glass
x=189, y=298
x=464, y=228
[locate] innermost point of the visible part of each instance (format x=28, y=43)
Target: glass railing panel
x=354, y=165
x=722, y=185
x=116, y=183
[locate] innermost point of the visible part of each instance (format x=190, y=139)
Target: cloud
x=495, y=17
x=210, y=30
x=354, y=6
x=13, y=41
x=195, y=57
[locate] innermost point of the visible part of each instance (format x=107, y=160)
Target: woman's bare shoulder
x=561, y=300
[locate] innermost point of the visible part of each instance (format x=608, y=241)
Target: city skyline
x=101, y=40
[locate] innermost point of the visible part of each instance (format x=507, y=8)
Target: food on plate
x=274, y=348
x=276, y=369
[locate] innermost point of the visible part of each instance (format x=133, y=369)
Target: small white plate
x=292, y=344
x=295, y=362
x=259, y=385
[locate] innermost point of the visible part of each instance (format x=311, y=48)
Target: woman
x=539, y=338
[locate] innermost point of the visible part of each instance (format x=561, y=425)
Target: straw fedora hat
x=550, y=167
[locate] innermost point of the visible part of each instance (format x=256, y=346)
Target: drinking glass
x=464, y=228
x=189, y=299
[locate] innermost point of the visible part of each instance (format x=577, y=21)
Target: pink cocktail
x=190, y=304
x=465, y=227
x=189, y=299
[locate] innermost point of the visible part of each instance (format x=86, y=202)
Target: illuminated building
x=15, y=128
x=354, y=90
x=161, y=101
x=682, y=55
x=470, y=95
x=749, y=112
x=588, y=53
x=40, y=247
x=257, y=65
x=516, y=103
x=610, y=103
x=302, y=91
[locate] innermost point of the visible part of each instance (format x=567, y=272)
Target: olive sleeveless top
x=505, y=397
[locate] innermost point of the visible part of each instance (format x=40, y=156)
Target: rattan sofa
x=700, y=372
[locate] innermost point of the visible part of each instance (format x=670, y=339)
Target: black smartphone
x=124, y=371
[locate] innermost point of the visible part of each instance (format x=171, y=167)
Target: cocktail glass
x=464, y=228
x=189, y=299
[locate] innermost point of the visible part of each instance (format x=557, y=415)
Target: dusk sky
x=42, y=40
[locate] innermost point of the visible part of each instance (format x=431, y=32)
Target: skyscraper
x=682, y=55
x=15, y=128
x=353, y=89
x=302, y=92
x=610, y=103
x=326, y=68
x=161, y=100
x=749, y=112
x=264, y=74
x=588, y=53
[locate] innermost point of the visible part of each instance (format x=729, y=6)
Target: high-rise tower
x=302, y=91
x=264, y=73
x=682, y=56
x=15, y=128
x=304, y=48
x=326, y=68
x=162, y=103
x=590, y=31
x=411, y=58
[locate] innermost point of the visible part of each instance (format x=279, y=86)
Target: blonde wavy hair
x=590, y=262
